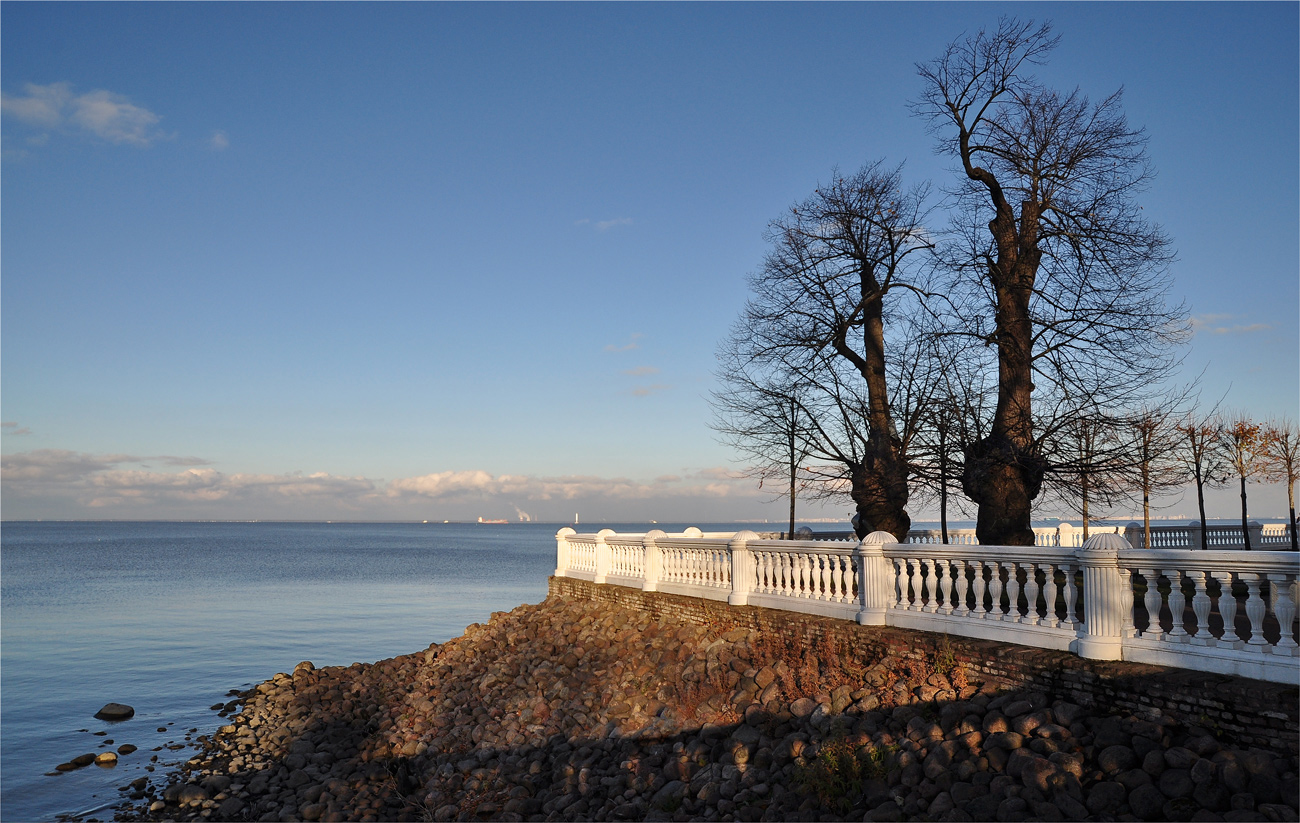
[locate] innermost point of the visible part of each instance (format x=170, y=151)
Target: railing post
x=1103, y=597
x=1194, y=536
x=1065, y=536
x=653, y=560
x=562, y=551
x=602, y=554
x=875, y=580
x=1256, y=531
x=741, y=565
x=1135, y=534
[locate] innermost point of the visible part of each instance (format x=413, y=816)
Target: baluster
x=790, y=565
x=1228, y=610
x=961, y=609
x=1201, y=608
x=1254, y=609
x=1283, y=608
x=1031, y=595
x=1071, y=596
x=824, y=573
x=1049, y=595
x=945, y=586
x=1152, y=601
x=839, y=575
x=1013, y=594
x=916, y=603
x=895, y=578
x=932, y=601
x=979, y=610
x=1177, y=602
x=995, y=591
x=1127, y=628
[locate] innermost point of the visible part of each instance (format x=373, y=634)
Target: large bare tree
x=1049, y=235
x=837, y=290
x=1153, y=466
x=1243, y=449
x=1282, y=451
x=1202, y=458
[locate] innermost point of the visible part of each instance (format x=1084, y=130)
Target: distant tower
x=575, y=518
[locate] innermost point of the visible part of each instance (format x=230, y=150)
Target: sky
x=443, y=261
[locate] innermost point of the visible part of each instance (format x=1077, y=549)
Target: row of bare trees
x=1007, y=334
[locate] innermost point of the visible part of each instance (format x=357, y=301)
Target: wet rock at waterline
x=115, y=711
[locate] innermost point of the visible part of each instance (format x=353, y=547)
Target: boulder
x=115, y=711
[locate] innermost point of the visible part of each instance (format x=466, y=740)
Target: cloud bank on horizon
x=45, y=483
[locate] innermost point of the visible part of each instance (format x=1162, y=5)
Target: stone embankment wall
x=607, y=704
x=1252, y=712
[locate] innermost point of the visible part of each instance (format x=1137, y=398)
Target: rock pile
x=572, y=710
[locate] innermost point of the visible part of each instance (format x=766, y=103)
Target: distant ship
x=492, y=522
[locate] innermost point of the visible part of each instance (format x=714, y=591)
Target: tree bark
x=1245, y=529
x=943, y=482
x=1200, y=502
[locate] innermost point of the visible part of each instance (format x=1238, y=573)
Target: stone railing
x=1067, y=535
x=1217, y=611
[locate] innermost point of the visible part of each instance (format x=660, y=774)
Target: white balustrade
x=1231, y=612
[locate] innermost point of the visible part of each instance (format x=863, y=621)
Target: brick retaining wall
x=1247, y=712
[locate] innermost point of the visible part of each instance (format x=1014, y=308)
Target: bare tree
x=1202, y=459
x=1282, y=451
x=1088, y=464
x=1050, y=236
x=1154, y=466
x=1243, y=448
x=845, y=264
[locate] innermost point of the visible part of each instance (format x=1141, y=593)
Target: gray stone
x=191, y=793
x=1115, y=759
x=230, y=807
x=1178, y=757
x=1176, y=783
x=1105, y=797
x=1147, y=802
x=1180, y=808
x=115, y=711
x=803, y=707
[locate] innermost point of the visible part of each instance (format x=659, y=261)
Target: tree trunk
x=1290, y=502
x=1200, y=502
x=1083, y=485
x=879, y=482
x=1146, y=518
x=1245, y=530
x=793, y=465
x=1003, y=481
x=943, y=484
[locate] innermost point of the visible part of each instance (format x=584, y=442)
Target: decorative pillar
x=1228, y=609
x=741, y=576
x=602, y=554
x=1065, y=536
x=654, y=561
x=875, y=578
x=1103, y=597
x=1135, y=534
x=1256, y=531
x=562, y=550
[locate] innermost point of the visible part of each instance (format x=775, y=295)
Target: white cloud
x=63, y=483
x=603, y=225
x=641, y=371
x=104, y=114
x=43, y=105
x=218, y=141
x=13, y=428
x=1221, y=324
x=629, y=345
x=646, y=391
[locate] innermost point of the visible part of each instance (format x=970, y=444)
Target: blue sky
x=437, y=261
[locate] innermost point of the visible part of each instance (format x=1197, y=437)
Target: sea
x=169, y=617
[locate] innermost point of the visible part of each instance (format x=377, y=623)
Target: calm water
x=168, y=617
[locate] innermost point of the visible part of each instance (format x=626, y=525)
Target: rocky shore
x=574, y=710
